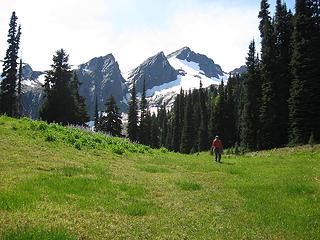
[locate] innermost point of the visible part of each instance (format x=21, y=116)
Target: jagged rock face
x=240, y=70
x=207, y=65
x=156, y=71
x=32, y=101
x=32, y=91
x=101, y=76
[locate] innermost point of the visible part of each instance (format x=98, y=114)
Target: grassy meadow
x=65, y=183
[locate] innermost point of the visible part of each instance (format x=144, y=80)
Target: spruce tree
x=230, y=129
x=163, y=123
x=203, y=129
x=283, y=28
x=188, y=131
x=213, y=95
x=96, y=114
x=155, y=143
x=176, y=135
x=249, y=121
x=144, y=135
x=133, y=128
x=8, y=86
x=110, y=122
x=80, y=114
x=19, y=90
x=304, y=110
x=267, y=134
x=169, y=131
x=59, y=103
x=218, y=121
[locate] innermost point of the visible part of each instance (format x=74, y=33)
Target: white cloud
x=85, y=29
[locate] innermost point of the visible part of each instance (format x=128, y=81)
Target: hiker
x=217, y=147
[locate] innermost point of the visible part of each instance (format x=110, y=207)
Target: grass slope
x=61, y=183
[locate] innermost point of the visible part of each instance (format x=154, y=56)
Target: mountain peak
x=182, y=53
x=206, y=64
x=156, y=70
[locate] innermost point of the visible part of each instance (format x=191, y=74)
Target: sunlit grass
x=63, y=183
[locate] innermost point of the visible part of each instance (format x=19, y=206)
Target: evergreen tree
x=163, y=122
x=238, y=102
x=19, y=103
x=80, y=114
x=8, y=91
x=304, y=100
x=213, y=96
x=230, y=130
x=110, y=122
x=267, y=134
x=176, y=135
x=133, y=128
x=96, y=114
x=188, y=132
x=60, y=103
x=220, y=106
x=203, y=130
x=251, y=95
x=181, y=107
x=154, y=132
x=144, y=119
x=169, y=131
x=283, y=31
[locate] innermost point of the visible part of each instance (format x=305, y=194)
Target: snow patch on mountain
x=189, y=76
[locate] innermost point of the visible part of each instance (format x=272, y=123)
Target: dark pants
x=217, y=153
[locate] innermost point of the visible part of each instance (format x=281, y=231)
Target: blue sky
x=132, y=29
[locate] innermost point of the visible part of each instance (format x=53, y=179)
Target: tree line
x=275, y=103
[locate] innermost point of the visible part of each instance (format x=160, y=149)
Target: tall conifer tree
x=80, y=114
x=144, y=117
x=8, y=86
x=60, y=103
x=133, y=128
x=304, y=110
x=188, y=131
x=267, y=134
x=176, y=135
x=110, y=122
x=154, y=132
x=283, y=26
x=249, y=122
x=203, y=130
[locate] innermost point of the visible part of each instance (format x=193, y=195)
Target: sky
x=132, y=30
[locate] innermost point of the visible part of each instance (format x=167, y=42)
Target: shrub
x=77, y=145
x=50, y=137
x=14, y=127
x=163, y=150
x=118, y=149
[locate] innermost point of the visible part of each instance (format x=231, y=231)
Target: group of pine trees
x=275, y=103
x=142, y=125
x=281, y=90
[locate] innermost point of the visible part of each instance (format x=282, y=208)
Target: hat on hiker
x=217, y=136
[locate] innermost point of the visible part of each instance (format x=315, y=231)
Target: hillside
x=63, y=183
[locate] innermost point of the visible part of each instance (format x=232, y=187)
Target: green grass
x=63, y=183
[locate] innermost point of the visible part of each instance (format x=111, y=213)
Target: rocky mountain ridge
x=100, y=77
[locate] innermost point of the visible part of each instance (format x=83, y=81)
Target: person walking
x=217, y=148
